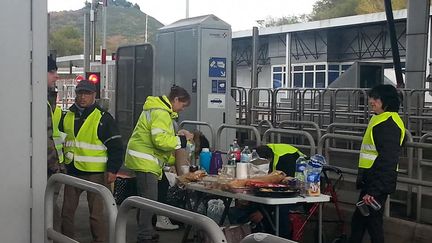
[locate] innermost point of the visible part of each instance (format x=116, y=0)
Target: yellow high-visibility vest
x=57, y=135
x=368, y=152
x=86, y=150
x=280, y=150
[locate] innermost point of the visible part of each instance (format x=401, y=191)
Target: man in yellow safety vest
x=93, y=151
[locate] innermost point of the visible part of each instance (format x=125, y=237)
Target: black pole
x=394, y=44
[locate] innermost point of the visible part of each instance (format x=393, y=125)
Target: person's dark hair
x=180, y=93
x=265, y=152
x=200, y=141
x=388, y=95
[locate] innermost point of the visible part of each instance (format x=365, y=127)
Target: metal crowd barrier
x=241, y=102
x=316, y=129
x=257, y=112
x=244, y=127
x=353, y=108
x=265, y=238
x=422, y=162
x=342, y=105
x=409, y=144
x=309, y=137
x=314, y=107
x=195, y=219
x=200, y=123
x=288, y=108
x=105, y=193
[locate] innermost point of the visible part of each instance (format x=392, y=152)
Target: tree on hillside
x=293, y=19
x=326, y=9
x=373, y=6
x=66, y=41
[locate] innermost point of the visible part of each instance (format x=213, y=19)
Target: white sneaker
x=164, y=223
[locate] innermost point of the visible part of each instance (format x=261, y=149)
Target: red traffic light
x=94, y=78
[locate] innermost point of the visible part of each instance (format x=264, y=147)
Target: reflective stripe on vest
x=57, y=135
x=86, y=150
x=368, y=152
x=144, y=156
x=280, y=150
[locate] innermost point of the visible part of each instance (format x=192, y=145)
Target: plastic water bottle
x=205, y=158
x=301, y=164
x=254, y=155
x=313, y=172
x=237, y=151
x=190, y=148
x=246, y=155
x=231, y=156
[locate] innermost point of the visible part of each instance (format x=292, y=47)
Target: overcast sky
x=241, y=14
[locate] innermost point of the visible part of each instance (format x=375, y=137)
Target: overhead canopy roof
x=324, y=24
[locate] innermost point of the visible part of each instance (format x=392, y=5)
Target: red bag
x=296, y=222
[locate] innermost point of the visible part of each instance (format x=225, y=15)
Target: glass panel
x=298, y=68
x=320, y=67
x=277, y=80
x=320, y=80
x=298, y=80
x=277, y=69
x=309, y=68
x=333, y=67
x=309, y=80
x=332, y=76
x=345, y=67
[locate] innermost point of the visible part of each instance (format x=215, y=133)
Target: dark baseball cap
x=85, y=85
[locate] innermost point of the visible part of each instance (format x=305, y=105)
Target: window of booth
x=278, y=76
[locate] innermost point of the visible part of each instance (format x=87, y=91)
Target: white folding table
x=267, y=201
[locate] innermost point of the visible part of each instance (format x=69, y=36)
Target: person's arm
x=109, y=134
x=381, y=177
x=161, y=127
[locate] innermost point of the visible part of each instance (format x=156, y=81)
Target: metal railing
x=265, y=238
x=105, y=193
x=256, y=111
x=264, y=124
x=200, y=123
x=310, y=124
x=410, y=181
x=326, y=106
x=287, y=108
x=243, y=127
x=307, y=135
x=240, y=96
x=422, y=162
x=195, y=219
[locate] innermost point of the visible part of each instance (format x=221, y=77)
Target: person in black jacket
x=94, y=152
x=378, y=162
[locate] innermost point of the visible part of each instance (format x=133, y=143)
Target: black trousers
x=163, y=186
x=372, y=223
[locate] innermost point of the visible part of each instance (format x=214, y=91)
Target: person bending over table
x=281, y=157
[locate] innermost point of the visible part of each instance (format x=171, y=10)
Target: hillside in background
x=125, y=25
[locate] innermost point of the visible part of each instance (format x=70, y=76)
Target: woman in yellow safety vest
x=150, y=147
x=378, y=161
